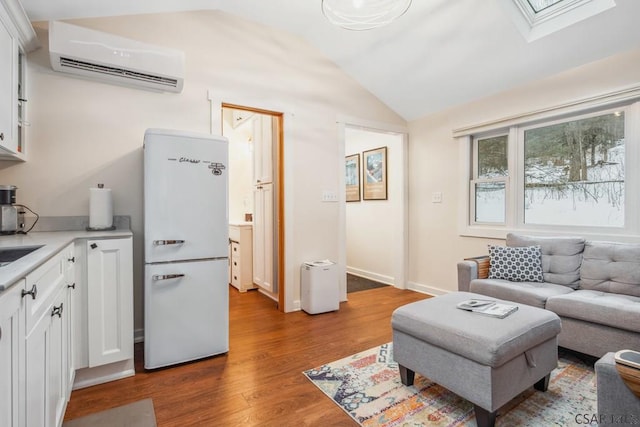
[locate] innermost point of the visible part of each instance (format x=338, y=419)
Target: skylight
x=540, y=5
x=539, y=18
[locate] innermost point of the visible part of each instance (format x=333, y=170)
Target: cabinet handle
x=1, y=136
x=73, y=285
x=0, y=334
x=33, y=292
x=167, y=242
x=166, y=276
x=72, y=259
x=93, y=246
x=57, y=311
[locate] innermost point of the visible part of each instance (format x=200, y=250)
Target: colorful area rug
x=367, y=387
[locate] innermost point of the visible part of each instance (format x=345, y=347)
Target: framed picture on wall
x=374, y=176
x=352, y=177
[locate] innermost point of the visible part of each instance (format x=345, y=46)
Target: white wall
x=240, y=166
x=84, y=132
x=371, y=225
x=435, y=246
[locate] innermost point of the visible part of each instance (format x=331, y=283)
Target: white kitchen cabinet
x=11, y=341
x=44, y=396
x=8, y=86
x=263, y=236
x=17, y=36
x=241, y=256
x=109, y=300
x=70, y=319
x=263, y=135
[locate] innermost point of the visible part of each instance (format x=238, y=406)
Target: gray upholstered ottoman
x=486, y=360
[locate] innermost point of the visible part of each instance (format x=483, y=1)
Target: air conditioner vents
x=113, y=59
x=117, y=72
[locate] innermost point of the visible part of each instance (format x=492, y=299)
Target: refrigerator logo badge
x=186, y=159
x=216, y=168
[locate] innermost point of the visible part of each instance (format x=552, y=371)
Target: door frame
x=218, y=101
x=401, y=248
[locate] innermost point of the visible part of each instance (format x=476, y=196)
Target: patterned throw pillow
x=517, y=264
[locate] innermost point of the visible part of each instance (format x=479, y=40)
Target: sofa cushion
x=531, y=293
x=618, y=311
x=611, y=267
x=561, y=256
x=518, y=264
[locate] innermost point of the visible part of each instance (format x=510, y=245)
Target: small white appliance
x=186, y=233
x=107, y=57
x=320, y=290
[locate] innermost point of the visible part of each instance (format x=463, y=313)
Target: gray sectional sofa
x=593, y=286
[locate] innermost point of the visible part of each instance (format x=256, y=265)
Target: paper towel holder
x=111, y=228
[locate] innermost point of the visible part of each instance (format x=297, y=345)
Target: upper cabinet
x=263, y=136
x=17, y=37
x=8, y=49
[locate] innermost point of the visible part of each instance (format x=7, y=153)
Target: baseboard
x=88, y=377
x=387, y=280
x=138, y=335
x=424, y=289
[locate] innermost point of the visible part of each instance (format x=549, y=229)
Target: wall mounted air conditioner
x=94, y=54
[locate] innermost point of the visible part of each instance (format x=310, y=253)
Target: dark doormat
x=357, y=283
x=136, y=414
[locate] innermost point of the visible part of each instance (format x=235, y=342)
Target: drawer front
x=235, y=250
x=45, y=281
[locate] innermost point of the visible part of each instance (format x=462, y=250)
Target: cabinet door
x=57, y=359
x=110, y=300
x=263, y=237
x=70, y=317
x=10, y=341
x=36, y=371
x=263, y=130
x=8, y=68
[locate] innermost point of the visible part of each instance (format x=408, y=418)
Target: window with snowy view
x=491, y=171
x=574, y=172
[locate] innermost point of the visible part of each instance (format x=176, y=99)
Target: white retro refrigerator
x=186, y=237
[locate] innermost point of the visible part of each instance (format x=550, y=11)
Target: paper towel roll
x=100, y=208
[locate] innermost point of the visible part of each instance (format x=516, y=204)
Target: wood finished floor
x=259, y=382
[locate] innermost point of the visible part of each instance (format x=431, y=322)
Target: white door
x=185, y=197
x=263, y=237
x=186, y=311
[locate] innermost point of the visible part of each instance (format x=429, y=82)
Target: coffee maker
x=8, y=212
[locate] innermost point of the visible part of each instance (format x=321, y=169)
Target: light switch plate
x=329, y=196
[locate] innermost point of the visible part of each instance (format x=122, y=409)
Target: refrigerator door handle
x=166, y=276
x=167, y=242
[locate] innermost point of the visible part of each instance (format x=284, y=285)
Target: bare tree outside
x=574, y=172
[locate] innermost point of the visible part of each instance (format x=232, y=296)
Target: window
x=574, y=172
x=491, y=171
x=560, y=174
x=539, y=18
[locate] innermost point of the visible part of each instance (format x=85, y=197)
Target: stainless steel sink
x=8, y=255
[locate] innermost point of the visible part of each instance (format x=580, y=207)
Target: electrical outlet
x=329, y=196
x=436, y=197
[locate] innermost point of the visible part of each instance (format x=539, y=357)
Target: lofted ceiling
x=441, y=53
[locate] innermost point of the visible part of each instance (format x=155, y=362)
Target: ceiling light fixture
x=361, y=15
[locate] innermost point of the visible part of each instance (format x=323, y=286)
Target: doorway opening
x=256, y=195
x=376, y=207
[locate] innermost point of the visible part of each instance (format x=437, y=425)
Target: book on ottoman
x=488, y=307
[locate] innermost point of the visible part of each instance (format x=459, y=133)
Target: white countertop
x=240, y=224
x=52, y=242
